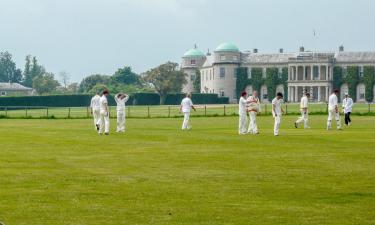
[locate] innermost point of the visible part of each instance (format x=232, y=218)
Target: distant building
x=14, y=89
x=304, y=71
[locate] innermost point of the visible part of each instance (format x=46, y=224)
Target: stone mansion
x=305, y=71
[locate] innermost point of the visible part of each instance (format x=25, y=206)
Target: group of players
x=251, y=106
x=100, y=112
x=248, y=107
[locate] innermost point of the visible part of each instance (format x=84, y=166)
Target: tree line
x=163, y=79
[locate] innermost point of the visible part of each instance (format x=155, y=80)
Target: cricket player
x=304, y=108
x=95, y=110
x=242, y=113
x=277, y=111
x=333, y=111
x=104, y=114
x=120, y=99
x=186, y=106
x=347, y=105
x=253, y=108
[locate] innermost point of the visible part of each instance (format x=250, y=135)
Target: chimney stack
x=301, y=49
x=341, y=48
x=281, y=50
x=255, y=50
x=208, y=52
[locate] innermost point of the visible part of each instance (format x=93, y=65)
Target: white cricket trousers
x=104, y=122
x=185, y=124
x=331, y=114
x=121, y=120
x=96, y=116
x=253, y=128
x=242, y=123
x=277, y=125
x=304, y=118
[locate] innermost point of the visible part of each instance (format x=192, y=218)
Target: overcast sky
x=84, y=37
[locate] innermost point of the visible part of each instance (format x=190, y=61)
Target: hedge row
x=197, y=98
x=84, y=100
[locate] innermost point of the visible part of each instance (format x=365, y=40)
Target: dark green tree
x=125, y=75
x=89, y=82
x=8, y=69
x=45, y=83
x=166, y=78
x=32, y=70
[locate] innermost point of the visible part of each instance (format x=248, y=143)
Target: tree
x=89, y=82
x=65, y=77
x=125, y=75
x=197, y=81
x=32, y=70
x=45, y=83
x=166, y=79
x=8, y=69
x=73, y=88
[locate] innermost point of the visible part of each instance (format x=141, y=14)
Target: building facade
x=293, y=74
x=14, y=89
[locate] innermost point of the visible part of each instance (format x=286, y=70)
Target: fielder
x=95, y=110
x=347, y=105
x=253, y=108
x=277, y=111
x=186, y=106
x=120, y=100
x=242, y=111
x=104, y=114
x=304, y=107
x=333, y=111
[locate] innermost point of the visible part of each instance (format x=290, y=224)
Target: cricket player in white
x=104, y=114
x=253, y=108
x=347, y=105
x=95, y=110
x=333, y=111
x=242, y=113
x=120, y=99
x=186, y=106
x=277, y=111
x=304, y=107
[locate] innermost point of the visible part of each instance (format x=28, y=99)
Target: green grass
x=165, y=111
x=59, y=172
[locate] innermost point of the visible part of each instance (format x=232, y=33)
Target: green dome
x=227, y=47
x=193, y=53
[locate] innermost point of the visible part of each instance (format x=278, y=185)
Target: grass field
x=164, y=110
x=59, y=172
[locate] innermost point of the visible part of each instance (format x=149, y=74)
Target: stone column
x=288, y=94
x=319, y=92
x=296, y=94
x=327, y=93
x=327, y=72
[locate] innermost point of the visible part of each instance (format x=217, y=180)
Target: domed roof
x=193, y=53
x=227, y=47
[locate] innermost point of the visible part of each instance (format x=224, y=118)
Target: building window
x=193, y=62
x=249, y=73
x=222, y=94
x=280, y=72
x=222, y=72
x=235, y=58
x=264, y=71
x=361, y=71
x=235, y=73
x=3, y=93
x=315, y=72
x=222, y=57
x=210, y=76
